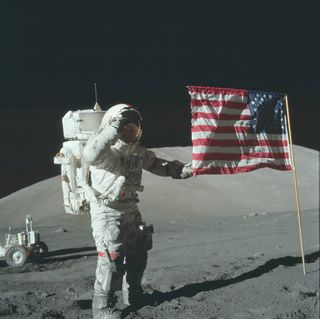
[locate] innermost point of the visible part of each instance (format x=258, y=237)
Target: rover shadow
x=190, y=290
x=61, y=255
x=69, y=251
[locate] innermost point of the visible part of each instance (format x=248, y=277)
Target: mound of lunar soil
x=224, y=247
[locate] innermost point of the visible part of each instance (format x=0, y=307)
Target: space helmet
x=131, y=122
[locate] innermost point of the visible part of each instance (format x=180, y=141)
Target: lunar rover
x=21, y=246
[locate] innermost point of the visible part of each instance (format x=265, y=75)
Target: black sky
x=145, y=53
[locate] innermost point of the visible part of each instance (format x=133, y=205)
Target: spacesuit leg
x=109, y=272
x=135, y=266
x=108, y=280
x=136, y=257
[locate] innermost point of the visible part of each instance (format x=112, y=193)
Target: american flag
x=236, y=131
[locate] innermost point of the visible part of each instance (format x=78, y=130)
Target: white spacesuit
x=116, y=161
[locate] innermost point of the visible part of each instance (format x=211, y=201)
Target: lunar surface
x=224, y=247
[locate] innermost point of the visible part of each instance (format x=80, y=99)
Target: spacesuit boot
x=101, y=309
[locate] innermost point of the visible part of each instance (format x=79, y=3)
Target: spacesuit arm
x=98, y=149
x=162, y=167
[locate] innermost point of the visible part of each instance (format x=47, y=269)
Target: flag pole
x=295, y=186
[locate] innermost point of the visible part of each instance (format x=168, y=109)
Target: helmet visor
x=130, y=133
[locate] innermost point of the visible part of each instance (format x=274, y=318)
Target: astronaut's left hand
x=186, y=171
x=179, y=170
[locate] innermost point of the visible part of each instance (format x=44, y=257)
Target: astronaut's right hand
x=116, y=122
x=112, y=131
x=95, y=152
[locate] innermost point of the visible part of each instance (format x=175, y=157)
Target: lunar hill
x=224, y=247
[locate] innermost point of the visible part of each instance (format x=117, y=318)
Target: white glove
x=179, y=170
x=94, y=151
x=186, y=171
x=110, y=132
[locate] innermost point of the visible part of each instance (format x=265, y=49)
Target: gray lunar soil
x=224, y=247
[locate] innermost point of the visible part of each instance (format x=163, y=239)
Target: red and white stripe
x=222, y=138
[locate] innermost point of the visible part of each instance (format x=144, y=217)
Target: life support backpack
x=78, y=126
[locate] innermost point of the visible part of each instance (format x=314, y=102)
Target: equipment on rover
x=21, y=246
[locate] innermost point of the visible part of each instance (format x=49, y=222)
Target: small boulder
x=59, y=230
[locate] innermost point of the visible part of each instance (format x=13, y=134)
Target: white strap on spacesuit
x=89, y=192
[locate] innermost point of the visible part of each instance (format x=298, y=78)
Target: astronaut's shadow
x=190, y=290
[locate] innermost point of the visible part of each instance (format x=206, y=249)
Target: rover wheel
x=39, y=251
x=16, y=256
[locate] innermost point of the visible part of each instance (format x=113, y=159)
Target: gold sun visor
x=131, y=129
x=131, y=133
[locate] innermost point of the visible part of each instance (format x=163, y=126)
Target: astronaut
x=116, y=161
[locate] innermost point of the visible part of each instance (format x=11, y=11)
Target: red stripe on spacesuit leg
x=113, y=255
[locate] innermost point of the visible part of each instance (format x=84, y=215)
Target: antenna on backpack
x=96, y=106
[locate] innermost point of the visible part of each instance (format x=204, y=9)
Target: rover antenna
x=96, y=106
